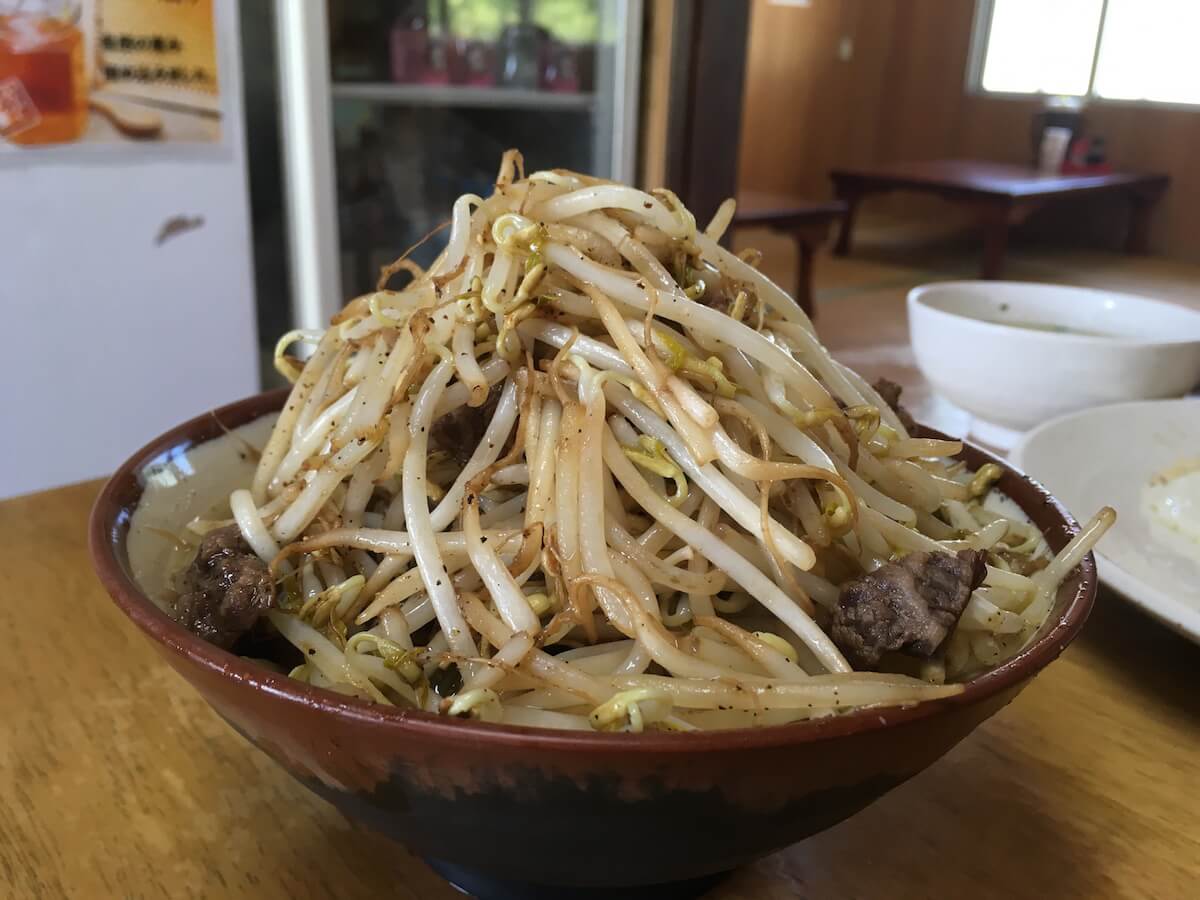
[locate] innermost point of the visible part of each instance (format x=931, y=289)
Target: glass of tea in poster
x=43, y=82
x=108, y=72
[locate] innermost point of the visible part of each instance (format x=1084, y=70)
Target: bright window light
x=1134, y=50
x=1149, y=51
x=1039, y=47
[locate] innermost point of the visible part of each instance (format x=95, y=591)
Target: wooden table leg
x=851, y=195
x=1142, y=203
x=995, y=219
x=995, y=246
x=808, y=237
x=805, y=248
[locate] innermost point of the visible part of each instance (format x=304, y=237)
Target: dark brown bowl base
x=621, y=821
x=484, y=887
x=508, y=811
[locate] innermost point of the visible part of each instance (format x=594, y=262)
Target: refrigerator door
x=393, y=109
x=125, y=283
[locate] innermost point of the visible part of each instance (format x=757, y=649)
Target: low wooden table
x=807, y=223
x=117, y=780
x=999, y=196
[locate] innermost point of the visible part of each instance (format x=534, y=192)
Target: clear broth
x=1049, y=327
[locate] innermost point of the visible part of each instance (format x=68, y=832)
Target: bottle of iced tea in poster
x=43, y=83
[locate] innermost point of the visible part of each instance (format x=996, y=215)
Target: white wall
x=110, y=339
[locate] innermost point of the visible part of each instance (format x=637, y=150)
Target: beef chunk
x=721, y=291
x=910, y=605
x=225, y=590
x=459, y=432
x=718, y=297
x=890, y=392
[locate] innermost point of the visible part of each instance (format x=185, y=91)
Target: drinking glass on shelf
x=522, y=51
x=409, y=44
x=441, y=61
x=437, y=60
x=479, y=68
x=561, y=72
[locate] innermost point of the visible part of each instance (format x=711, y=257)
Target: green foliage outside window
x=572, y=21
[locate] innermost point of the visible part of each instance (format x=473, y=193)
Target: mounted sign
x=108, y=72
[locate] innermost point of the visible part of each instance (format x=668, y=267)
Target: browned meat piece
x=459, y=432
x=910, y=605
x=720, y=293
x=717, y=297
x=890, y=392
x=225, y=590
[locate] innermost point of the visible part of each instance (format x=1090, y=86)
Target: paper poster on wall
x=108, y=72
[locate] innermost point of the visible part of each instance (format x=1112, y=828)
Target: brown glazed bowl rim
x=108, y=526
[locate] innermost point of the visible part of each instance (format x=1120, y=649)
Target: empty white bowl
x=1016, y=354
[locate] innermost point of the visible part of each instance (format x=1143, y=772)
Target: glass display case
x=392, y=108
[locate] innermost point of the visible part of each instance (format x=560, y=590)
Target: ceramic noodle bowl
x=1017, y=354
x=503, y=809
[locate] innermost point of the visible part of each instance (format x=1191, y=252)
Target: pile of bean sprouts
x=673, y=480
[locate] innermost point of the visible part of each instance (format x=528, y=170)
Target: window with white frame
x=1133, y=50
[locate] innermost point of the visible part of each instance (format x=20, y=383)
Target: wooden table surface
x=993, y=178
x=117, y=781
x=998, y=195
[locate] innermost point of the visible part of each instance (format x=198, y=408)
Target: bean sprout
x=589, y=446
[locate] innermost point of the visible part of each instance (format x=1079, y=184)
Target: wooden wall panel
x=784, y=78
x=920, y=100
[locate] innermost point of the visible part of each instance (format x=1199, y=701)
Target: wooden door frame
x=709, y=45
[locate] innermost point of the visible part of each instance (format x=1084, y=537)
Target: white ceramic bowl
x=1100, y=347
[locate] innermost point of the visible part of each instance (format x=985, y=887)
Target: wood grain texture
x=119, y=782
x=902, y=97
x=656, y=92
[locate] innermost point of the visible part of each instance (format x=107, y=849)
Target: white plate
x=1107, y=456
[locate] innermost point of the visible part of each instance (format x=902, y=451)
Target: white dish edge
x=1164, y=608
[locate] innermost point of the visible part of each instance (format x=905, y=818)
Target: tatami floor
x=861, y=298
